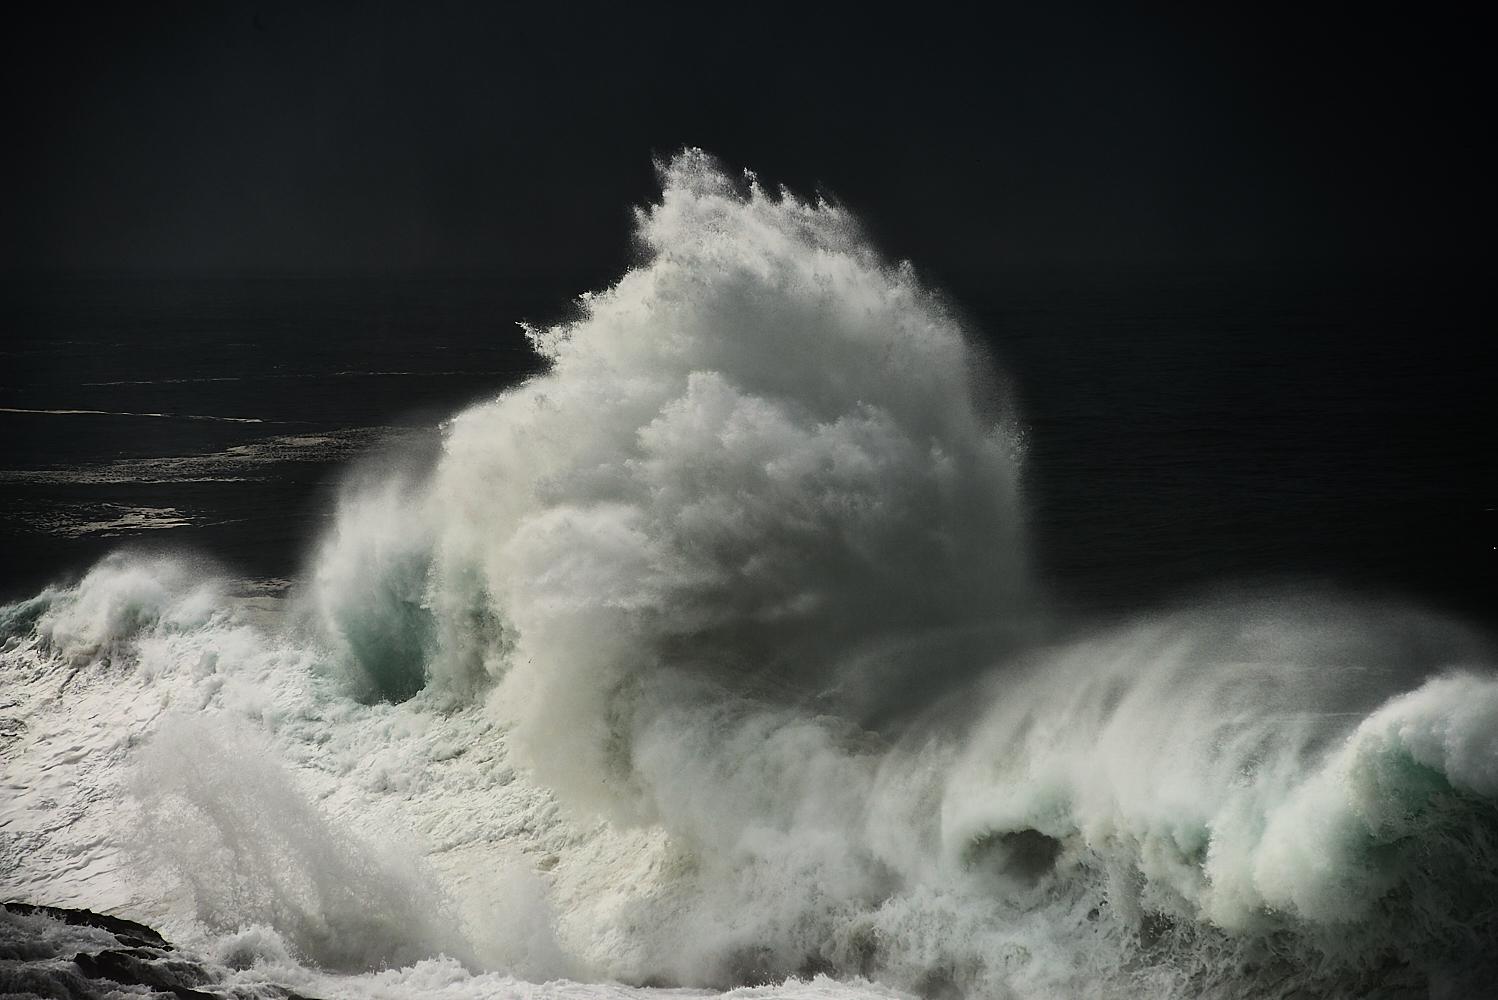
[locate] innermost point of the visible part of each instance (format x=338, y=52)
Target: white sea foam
x=253, y=460
x=102, y=519
x=711, y=658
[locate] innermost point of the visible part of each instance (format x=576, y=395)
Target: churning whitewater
x=712, y=658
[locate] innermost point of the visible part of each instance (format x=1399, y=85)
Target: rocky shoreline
x=65, y=954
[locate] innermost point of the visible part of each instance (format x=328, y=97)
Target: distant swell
x=715, y=656
x=154, y=416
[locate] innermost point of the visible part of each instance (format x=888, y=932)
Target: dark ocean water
x=1185, y=432
x=667, y=675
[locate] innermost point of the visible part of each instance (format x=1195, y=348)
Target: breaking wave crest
x=713, y=657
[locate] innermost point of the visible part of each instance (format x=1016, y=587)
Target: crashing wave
x=712, y=656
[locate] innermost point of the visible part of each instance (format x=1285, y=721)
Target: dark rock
x=125, y=968
x=45, y=981
x=32, y=963
x=126, y=931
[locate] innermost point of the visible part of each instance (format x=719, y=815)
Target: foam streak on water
x=712, y=657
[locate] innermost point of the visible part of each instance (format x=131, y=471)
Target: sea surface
x=213, y=413
x=1184, y=430
x=770, y=620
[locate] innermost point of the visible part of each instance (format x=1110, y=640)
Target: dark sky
x=405, y=136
